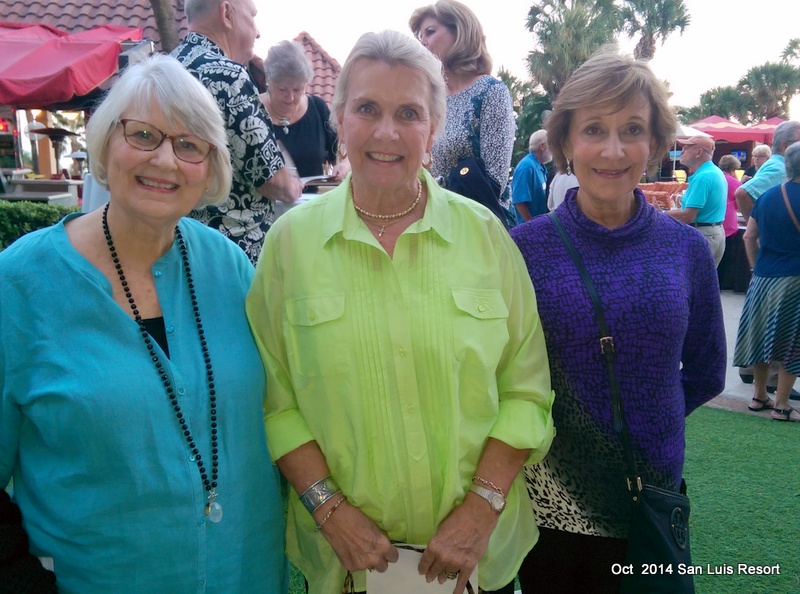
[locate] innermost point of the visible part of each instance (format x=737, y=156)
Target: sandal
x=785, y=414
x=762, y=404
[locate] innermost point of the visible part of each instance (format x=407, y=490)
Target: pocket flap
x=483, y=304
x=310, y=311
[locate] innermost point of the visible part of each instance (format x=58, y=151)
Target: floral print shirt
x=245, y=217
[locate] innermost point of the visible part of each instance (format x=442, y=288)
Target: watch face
x=498, y=503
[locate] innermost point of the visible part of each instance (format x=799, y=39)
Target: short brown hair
x=612, y=80
x=729, y=163
x=468, y=54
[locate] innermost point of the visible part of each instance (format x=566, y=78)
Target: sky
x=717, y=48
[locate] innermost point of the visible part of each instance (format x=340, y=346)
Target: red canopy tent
x=768, y=127
x=42, y=66
x=721, y=129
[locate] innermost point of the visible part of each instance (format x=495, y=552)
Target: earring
x=430, y=160
x=342, y=151
x=569, y=168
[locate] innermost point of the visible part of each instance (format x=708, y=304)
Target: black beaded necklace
x=213, y=509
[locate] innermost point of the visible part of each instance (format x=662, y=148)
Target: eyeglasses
x=146, y=137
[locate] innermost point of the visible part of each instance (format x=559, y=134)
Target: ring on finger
x=451, y=575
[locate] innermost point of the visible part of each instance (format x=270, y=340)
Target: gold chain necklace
x=389, y=217
x=385, y=225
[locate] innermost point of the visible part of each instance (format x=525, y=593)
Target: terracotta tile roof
x=326, y=69
x=78, y=15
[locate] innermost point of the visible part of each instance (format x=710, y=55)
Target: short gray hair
x=762, y=150
x=195, y=9
x=792, y=161
x=182, y=99
x=785, y=132
x=287, y=61
x=536, y=139
x=394, y=49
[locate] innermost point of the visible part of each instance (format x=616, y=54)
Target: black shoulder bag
x=658, y=538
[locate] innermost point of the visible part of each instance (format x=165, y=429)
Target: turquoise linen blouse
x=102, y=472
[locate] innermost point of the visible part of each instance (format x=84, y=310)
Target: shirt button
x=201, y=522
x=481, y=308
x=157, y=273
x=401, y=352
x=170, y=329
x=202, y=583
x=192, y=458
x=181, y=391
x=411, y=408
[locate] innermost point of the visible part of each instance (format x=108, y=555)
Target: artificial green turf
x=744, y=485
x=743, y=472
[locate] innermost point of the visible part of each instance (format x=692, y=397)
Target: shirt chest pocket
x=481, y=325
x=317, y=331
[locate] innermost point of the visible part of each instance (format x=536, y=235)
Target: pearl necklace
x=213, y=509
x=389, y=217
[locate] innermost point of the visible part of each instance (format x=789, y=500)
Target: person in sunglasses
x=130, y=384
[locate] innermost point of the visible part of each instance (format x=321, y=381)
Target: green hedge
x=19, y=218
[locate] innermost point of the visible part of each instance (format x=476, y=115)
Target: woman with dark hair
x=480, y=119
x=657, y=284
x=769, y=327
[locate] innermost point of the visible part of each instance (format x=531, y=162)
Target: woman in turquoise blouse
x=131, y=387
x=407, y=375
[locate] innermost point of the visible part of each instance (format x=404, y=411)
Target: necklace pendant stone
x=214, y=511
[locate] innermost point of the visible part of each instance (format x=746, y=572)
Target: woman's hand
x=357, y=540
x=341, y=169
x=460, y=542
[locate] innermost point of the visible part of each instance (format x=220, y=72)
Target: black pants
x=566, y=563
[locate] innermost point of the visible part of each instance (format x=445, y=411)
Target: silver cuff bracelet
x=318, y=493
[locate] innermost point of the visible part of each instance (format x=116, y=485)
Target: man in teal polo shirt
x=771, y=173
x=704, y=203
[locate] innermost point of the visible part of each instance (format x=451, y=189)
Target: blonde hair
x=609, y=79
x=468, y=54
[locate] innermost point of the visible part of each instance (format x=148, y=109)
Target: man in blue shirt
x=771, y=173
x=529, y=183
x=705, y=201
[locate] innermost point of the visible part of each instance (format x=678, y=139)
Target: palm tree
x=529, y=107
x=727, y=102
x=771, y=86
x=654, y=20
x=567, y=33
x=165, y=21
x=792, y=50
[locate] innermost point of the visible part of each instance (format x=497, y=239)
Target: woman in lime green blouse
x=407, y=375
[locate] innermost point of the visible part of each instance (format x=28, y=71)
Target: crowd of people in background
x=416, y=351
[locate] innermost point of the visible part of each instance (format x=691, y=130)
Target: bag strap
x=609, y=355
x=789, y=206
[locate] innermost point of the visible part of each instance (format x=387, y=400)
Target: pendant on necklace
x=213, y=509
x=380, y=233
x=285, y=124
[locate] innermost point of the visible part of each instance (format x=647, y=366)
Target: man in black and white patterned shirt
x=216, y=50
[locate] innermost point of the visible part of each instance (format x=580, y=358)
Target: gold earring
x=569, y=168
x=430, y=160
x=342, y=151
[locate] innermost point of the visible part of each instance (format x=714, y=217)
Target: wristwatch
x=497, y=501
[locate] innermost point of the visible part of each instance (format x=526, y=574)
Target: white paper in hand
x=403, y=577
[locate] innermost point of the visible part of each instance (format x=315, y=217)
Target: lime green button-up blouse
x=401, y=368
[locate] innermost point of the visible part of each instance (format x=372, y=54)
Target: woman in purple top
x=658, y=285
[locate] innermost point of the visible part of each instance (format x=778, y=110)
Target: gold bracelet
x=488, y=484
x=330, y=512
